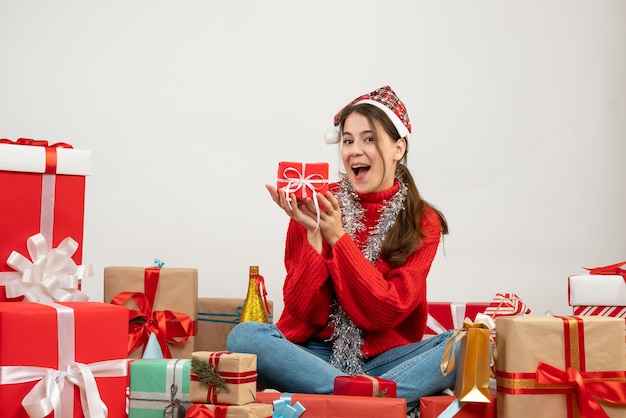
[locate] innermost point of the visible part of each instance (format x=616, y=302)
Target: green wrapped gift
x=159, y=387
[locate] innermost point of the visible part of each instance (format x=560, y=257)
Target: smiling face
x=369, y=153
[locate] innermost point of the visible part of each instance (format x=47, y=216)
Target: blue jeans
x=305, y=368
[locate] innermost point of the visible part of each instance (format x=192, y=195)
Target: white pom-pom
x=332, y=135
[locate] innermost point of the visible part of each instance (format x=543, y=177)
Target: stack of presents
x=153, y=348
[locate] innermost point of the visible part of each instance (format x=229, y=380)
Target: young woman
x=355, y=291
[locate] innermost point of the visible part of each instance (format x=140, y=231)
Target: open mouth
x=360, y=170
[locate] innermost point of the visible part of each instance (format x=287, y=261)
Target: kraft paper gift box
x=159, y=387
x=447, y=316
x=162, y=301
x=43, y=189
x=364, y=385
x=216, y=318
x=553, y=366
x=250, y=410
x=340, y=406
x=77, y=348
x=223, y=377
x=302, y=179
x=450, y=406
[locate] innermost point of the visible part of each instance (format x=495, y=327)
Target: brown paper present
x=251, y=410
x=174, y=296
x=222, y=377
x=216, y=318
x=555, y=367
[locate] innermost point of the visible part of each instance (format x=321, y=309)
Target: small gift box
x=63, y=359
x=250, y=410
x=216, y=318
x=446, y=316
x=303, y=179
x=554, y=366
x=450, y=406
x=364, y=385
x=43, y=186
x=506, y=304
x=340, y=406
x=222, y=378
x=162, y=301
x=159, y=387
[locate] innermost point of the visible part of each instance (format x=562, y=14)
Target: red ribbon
x=587, y=386
x=51, y=150
x=169, y=327
x=260, y=282
x=230, y=378
x=612, y=269
x=201, y=411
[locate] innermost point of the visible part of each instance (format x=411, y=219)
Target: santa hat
x=385, y=99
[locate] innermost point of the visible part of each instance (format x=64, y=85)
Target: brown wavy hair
x=405, y=236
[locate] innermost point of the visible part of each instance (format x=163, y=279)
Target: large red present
x=364, y=385
x=446, y=316
x=444, y=405
x=43, y=189
x=340, y=406
x=303, y=179
x=68, y=359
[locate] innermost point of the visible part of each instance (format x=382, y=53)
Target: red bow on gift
x=612, y=269
x=202, y=411
x=588, y=386
x=169, y=327
x=35, y=142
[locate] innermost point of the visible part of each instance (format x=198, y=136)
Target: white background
x=518, y=111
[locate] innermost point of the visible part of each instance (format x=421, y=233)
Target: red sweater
x=387, y=304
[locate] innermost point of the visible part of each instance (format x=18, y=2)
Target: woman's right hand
x=300, y=212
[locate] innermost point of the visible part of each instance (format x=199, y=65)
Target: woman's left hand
x=330, y=217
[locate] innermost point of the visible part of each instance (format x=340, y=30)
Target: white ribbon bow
x=49, y=275
x=45, y=396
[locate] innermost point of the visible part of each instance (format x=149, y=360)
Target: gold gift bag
x=474, y=363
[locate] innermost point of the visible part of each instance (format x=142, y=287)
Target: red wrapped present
x=63, y=359
x=446, y=316
x=43, y=189
x=303, y=179
x=340, y=406
x=250, y=410
x=449, y=406
x=364, y=385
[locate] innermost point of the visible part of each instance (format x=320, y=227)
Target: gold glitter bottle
x=255, y=307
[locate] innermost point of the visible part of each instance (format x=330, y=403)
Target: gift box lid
x=597, y=290
x=32, y=159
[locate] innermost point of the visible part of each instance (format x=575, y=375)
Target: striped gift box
x=613, y=311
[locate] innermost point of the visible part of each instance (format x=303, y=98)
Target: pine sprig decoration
x=207, y=374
